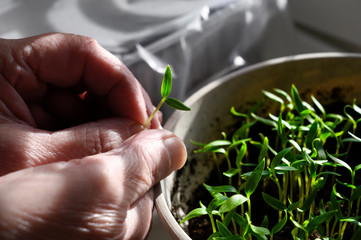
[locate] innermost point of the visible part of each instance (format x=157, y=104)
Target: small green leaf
x=277, y=159
x=312, y=134
x=231, y=172
x=314, y=222
x=310, y=199
x=339, y=161
x=264, y=120
x=357, y=234
x=346, y=184
x=358, y=167
x=285, y=168
x=220, y=189
x=336, y=205
x=293, y=206
x=174, y=103
x=356, y=194
x=253, y=180
x=273, y=97
x=241, y=154
x=229, y=216
x=273, y=202
x=241, y=132
x=215, y=236
x=238, y=142
x=217, y=143
x=284, y=94
x=280, y=224
x=297, y=224
x=166, y=83
x=232, y=203
x=318, y=105
x=265, y=222
x=264, y=149
x=355, y=137
x=223, y=230
x=194, y=213
x=295, y=144
x=352, y=220
x=238, y=114
x=297, y=99
x=218, y=200
x=260, y=230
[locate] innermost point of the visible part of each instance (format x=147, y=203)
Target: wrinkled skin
x=76, y=167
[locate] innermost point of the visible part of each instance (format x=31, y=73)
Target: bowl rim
x=164, y=213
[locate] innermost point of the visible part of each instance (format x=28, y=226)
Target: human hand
x=81, y=180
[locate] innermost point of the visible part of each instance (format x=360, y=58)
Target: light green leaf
x=277, y=159
x=293, y=206
x=318, y=105
x=280, y=224
x=309, y=200
x=238, y=114
x=285, y=168
x=223, y=230
x=241, y=132
x=356, y=194
x=166, y=83
x=312, y=134
x=339, y=161
x=295, y=144
x=314, y=222
x=194, y=213
x=297, y=99
x=260, y=230
x=355, y=137
x=232, y=202
x=253, y=180
x=264, y=120
x=231, y=172
x=229, y=216
x=264, y=149
x=273, y=97
x=218, y=200
x=273, y=202
x=220, y=189
x=297, y=224
x=174, y=103
x=241, y=154
x=353, y=220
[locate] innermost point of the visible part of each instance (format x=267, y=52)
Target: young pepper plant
x=165, y=91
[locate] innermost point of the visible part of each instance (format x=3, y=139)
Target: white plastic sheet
x=201, y=40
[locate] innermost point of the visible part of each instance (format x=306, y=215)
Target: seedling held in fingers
x=165, y=91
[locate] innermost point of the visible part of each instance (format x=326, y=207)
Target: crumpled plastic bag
x=202, y=41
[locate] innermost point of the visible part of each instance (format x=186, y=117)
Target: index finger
x=66, y=60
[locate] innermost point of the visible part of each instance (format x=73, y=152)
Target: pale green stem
x=212, y=222
x=154, y=112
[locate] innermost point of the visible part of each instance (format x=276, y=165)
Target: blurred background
x=200, y=39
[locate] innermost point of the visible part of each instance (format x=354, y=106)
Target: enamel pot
x=327, y=76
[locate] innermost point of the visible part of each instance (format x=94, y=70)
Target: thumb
x=49, y=200
x=24, y=146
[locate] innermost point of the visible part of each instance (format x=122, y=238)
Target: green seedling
x=165, y=91
x=298, y=161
